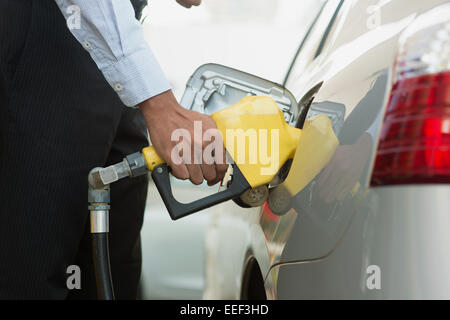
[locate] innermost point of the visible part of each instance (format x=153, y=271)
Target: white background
x=256, y=36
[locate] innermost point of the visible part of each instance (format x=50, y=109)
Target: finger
x=195, y=173
x=217, y=178
x=176, y=163
x=184, y=3
x=221, y=169
x=209, y=172
x=179, y=171
x=221, y=161
x=218, y=159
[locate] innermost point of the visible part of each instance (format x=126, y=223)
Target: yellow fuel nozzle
x=152, y=159
x=255, y=135
x=314, y=151
x=259, y=141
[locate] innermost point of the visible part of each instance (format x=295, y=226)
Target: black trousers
x=59, y=119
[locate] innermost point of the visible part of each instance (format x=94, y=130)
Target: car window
x=315, y=39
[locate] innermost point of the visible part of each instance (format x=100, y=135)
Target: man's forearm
x=115, y=40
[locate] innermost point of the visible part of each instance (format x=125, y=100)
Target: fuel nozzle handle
x=160, y=174
x=178, y=210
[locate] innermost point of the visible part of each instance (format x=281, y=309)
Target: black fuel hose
x=102, y=266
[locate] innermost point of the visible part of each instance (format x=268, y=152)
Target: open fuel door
x=213, y=87
x=210, y=90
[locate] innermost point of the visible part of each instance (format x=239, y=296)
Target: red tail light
x=414, y=145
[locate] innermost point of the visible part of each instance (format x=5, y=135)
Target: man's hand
x=189, y=3
x=164, y=115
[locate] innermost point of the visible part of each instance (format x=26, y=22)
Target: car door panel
x=356, y=97
x=321, y=222
x=355, y=69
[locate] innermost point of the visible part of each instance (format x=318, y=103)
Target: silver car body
x=324, y=249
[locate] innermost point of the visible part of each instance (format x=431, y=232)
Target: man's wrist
x=163, y=102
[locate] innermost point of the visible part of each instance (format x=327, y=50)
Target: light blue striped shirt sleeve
x=115, y=39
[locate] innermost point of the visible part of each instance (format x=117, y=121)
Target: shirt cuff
x=136, y=77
